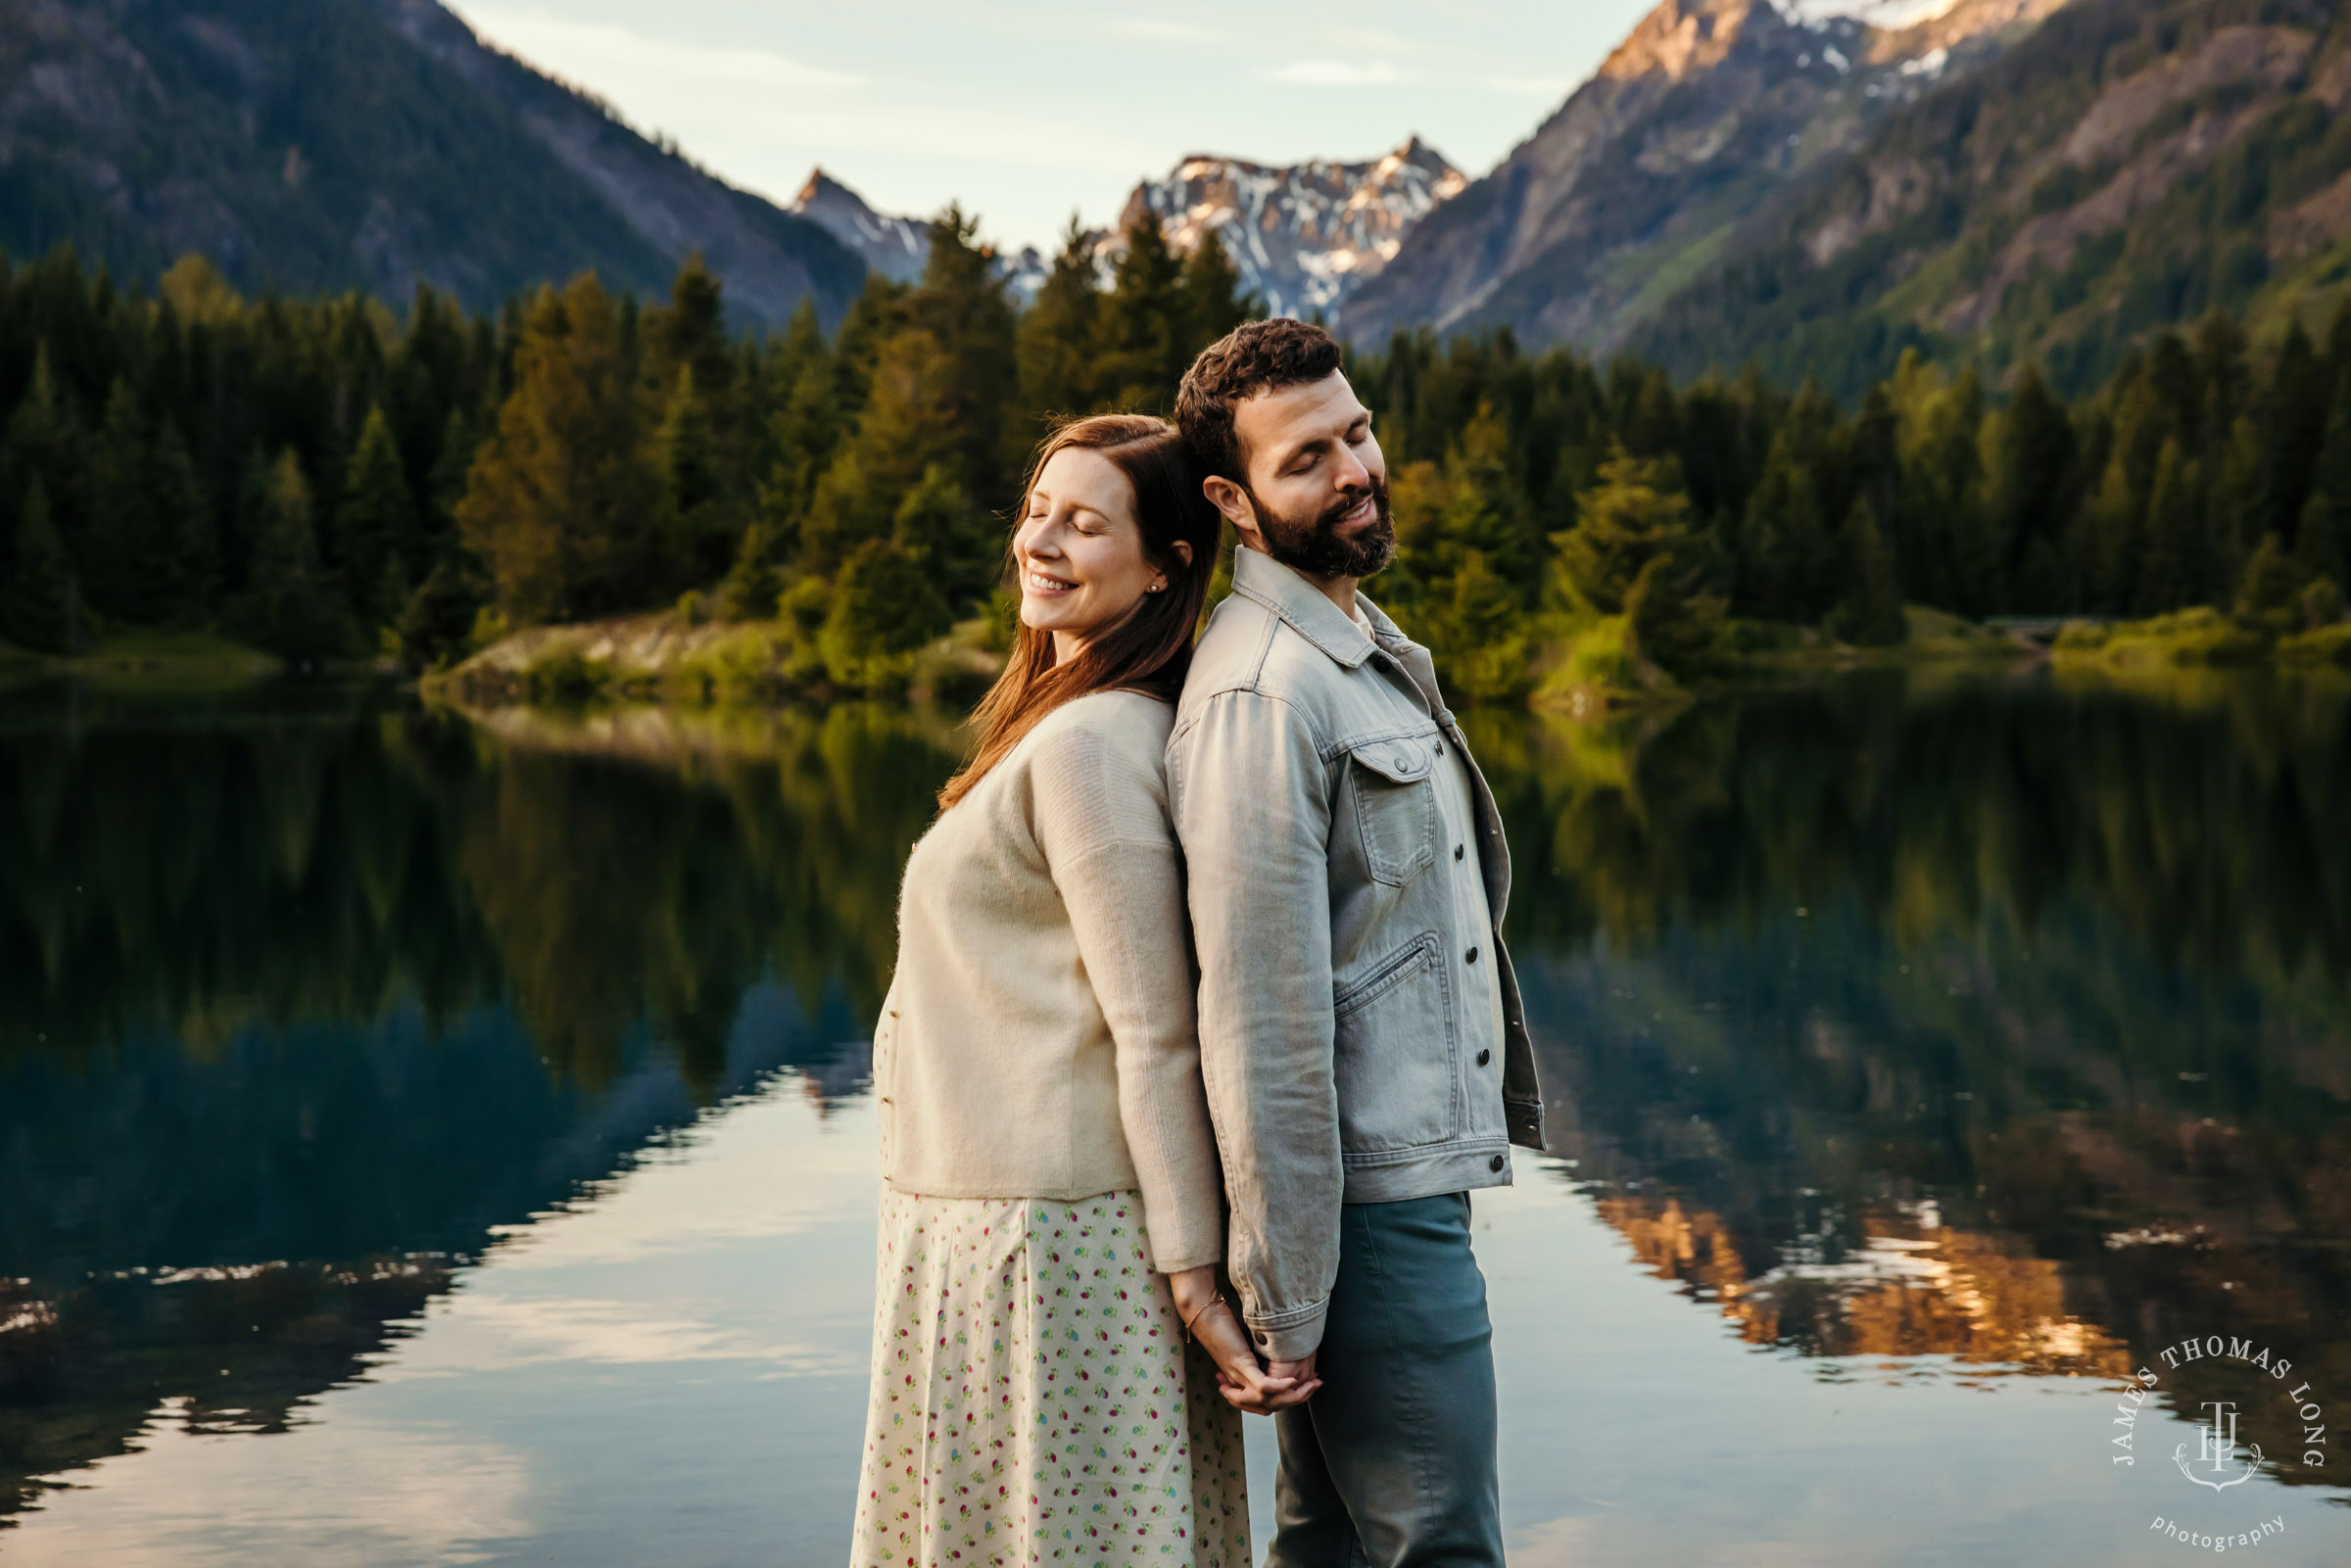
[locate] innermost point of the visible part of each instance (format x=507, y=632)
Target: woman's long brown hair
x=1148, y=648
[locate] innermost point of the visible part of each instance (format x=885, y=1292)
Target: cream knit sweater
x=1038, y=1040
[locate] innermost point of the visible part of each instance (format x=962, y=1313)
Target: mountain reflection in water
x=1972, y=1030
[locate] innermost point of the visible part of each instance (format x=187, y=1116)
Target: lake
x=430, y=1141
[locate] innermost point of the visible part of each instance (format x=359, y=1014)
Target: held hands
x=1246, y=1383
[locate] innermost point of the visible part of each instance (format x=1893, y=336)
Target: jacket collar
x=1305, y=608
x=1308, y=612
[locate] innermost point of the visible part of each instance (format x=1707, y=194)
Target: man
x=1361, y=1032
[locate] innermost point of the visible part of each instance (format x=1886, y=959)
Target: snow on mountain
x=1887, y=15
x=1303, y=236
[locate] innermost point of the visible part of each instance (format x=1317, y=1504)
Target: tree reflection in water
x=2003, y=1022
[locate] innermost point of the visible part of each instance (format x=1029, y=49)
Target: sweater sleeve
x=1101, y=820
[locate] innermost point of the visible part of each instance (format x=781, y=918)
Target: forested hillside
x=325, y=479
x=321, y=145
x=2133, y=164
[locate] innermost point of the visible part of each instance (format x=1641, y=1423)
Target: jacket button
x=1261, y=1339
x=1457, y=850
x=1473, y=958
x=1495, y=1163
x=1484, y=1057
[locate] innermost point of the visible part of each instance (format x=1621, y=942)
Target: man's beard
x=1314, y=546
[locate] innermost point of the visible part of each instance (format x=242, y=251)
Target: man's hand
x=1280, y=1386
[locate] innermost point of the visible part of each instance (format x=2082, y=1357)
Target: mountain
x=1636, y=183
x=1305, y=236
x=2133, y=164
x=317, y=145
x=894, y=247
x=898, y=247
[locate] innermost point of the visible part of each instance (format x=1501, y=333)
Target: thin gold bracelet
x=1218, y=1300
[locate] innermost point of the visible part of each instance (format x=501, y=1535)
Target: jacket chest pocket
x=1391, y=785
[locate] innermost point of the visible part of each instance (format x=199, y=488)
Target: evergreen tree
x=1674, y=623
x=1787, y=565
x=2169, y=569
x=697, y=531
x=2271, y=583
x=375, y=527
x=961, y=304
x=958, y=546
x=561, y=502
x=2028, y=459
x=805, y=434
x=1212, y=304
x=907, y=426
x=754, y=583
x=690, y=335
x=1141, y=355
x=1871, y=612
x=1636, y=512
x=191, y=530
x=39, y=604
x=2294, y=419
x=2322, y=541
x=1057, y=339
x=289, y=609
x=437, y=622
x=124, y=555
x=883, y=608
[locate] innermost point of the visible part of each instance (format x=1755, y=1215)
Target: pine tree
x=1212, y=304
x=1786, y=561
x=190, y=531
x=1871, y=612
x=2271, y=583
x=1140, y=353
x=883, y=608
x=561, y=502
x=437, y=622
x=376, y=527
x=804, y=433
x=907, y=426
x=697, y=529
x=124, y=555
x=2168, y=570
x=960, y=303
x=1057, y=339
x=752, y=585
x=2028, y=459
x=39, y=604
x=289, y=609
x=2294, y=419
x=2322, y=541
x=1636, y=512
x=958, y=546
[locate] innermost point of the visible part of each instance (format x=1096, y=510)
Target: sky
x=1028, y=109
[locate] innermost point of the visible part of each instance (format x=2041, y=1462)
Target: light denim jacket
x=1333, y=982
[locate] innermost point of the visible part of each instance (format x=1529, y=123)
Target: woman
x=1051, y=1211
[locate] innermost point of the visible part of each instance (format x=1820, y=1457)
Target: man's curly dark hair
x=1254, y=356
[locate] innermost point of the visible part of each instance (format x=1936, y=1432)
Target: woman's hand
x=1240, y=1375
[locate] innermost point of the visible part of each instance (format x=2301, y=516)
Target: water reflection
x=1979, y=1030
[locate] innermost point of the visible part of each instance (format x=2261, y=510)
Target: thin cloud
x=535, y=35
x=1533, y=86
x=1155, y=31
x=1337, y=73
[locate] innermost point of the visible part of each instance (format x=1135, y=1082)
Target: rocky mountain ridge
x=321, y=145
x=1632, y=186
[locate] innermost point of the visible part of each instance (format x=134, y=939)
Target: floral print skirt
x=1035, y=1400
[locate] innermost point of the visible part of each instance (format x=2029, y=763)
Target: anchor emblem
x=2216, y=1446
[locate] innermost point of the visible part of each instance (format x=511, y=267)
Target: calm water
x=425, y=1143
